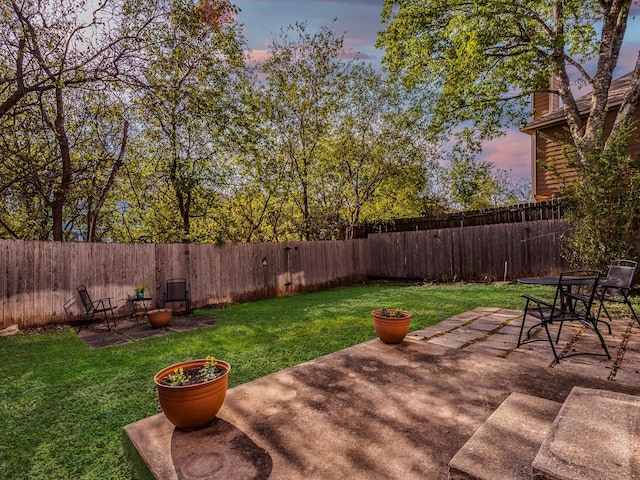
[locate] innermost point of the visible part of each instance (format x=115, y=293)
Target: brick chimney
x=545, y=102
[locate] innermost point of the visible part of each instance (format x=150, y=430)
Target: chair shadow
x=218, y=451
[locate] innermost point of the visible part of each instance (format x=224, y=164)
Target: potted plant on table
x=140, y=289
x=191, y=393
x=159, y=317
x=391, y=324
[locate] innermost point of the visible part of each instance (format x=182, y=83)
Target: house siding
x=549, y=182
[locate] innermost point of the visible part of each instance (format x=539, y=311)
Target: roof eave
x=533, y=126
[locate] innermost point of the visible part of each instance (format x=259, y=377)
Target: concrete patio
x=378, y=411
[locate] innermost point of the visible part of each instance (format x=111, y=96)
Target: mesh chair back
x=176, y=289
x=84, y=296
x=621, y=273
x=578, y=291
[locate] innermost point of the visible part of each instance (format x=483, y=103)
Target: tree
x=304, y=78
x=604, y=206
x=479, y=61
x=377, y=164
x=257, y=197
x=478, y=185
x=185, y=94
x=50, y=52
x=101, y=144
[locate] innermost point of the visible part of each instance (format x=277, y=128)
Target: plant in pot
x=391, y=324
x=159, y=317
x=140, y=289
x=191, y=393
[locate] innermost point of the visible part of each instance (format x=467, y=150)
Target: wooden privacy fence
x=485, y=253
x=39, y=279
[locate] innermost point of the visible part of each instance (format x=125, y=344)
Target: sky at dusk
x=359, y=22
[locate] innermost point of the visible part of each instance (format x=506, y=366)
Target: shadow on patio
x=378, y=411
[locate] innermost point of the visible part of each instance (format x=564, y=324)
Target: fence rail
x=524, y=212
x=39, y=279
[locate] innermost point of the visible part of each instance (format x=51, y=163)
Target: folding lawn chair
x=93, y=308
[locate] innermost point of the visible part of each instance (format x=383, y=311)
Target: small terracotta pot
x=391, y=330
x=159, y=318
x=192, y=406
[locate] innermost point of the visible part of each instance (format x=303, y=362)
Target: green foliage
x=472, y=60
x=210, y=371
x=177, y=378
x=376, y=165
x=304, y=79
x=392, y=312
x=477, y=185
x=58, y=113
x=184, y=105
x=603, y=204
x=477, y=62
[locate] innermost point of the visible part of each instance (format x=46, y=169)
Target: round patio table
x=552, y=280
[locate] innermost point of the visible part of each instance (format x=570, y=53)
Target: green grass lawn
x=63, y=406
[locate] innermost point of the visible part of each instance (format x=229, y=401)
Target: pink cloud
x=256, y=56
x=512, y=152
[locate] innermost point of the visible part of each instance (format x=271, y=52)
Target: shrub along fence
x=39, y=280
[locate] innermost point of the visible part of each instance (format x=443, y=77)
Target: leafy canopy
x=478, y=61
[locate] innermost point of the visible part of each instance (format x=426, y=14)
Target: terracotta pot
x=192, y=406
x=159, y=318
x=391, y=330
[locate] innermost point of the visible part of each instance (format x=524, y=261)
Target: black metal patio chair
x=92, y=308
x=176, y=291
x=573, y=301
x=615, y=287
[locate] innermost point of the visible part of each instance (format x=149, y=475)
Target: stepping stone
x=504, y=447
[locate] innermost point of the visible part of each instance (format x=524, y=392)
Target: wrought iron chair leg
x=606, y=323
x=526, y=309
x=555, y=355
x=539, y=324
x=601, y=307
x=604, y=345
x=597, y=317
x=633, y=312
x=106, y=319
x=559, y=330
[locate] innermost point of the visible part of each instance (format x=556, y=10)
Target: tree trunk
x=94, y=212
x=60, y=193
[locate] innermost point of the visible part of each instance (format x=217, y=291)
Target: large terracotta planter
x=192, y=406
x=391, y=329
x=159, y=318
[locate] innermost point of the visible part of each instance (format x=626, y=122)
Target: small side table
x=139, y=307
